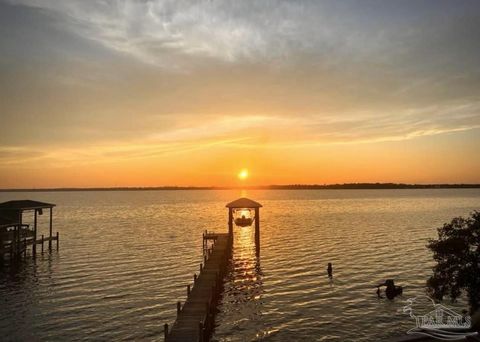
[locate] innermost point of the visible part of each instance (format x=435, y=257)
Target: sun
x=243, y=174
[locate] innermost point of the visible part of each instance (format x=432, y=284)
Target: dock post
x=165, y=331
x=179, y=308
x=18, y=242
x=57, y=240
x=11, y=249
x=43, y=240
x=257, y=231
x=34, y=249
x=230, y=222
x=50, y=240
x=1, y=248
x=25, y=247
x=200, y=332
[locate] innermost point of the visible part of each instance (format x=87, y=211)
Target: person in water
x=391, y=291
x=330, y=270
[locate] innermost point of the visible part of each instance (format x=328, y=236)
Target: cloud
x=258, y=132
x=165, y=32
x=135, y=79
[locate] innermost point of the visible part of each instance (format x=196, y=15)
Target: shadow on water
x=242, y=298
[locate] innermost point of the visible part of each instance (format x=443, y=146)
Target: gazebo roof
x=25, y=205
x=243, y=203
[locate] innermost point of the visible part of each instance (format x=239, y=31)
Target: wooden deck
x=196, y=317
x=10, y=248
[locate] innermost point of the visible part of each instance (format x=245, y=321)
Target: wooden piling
x=257, y=232
x=34, y=248
x=50, y=229
x=200, y=332
x=165, y=331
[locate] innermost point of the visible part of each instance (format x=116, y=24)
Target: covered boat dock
x=15, y=235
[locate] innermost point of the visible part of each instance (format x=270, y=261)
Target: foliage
x=457, y=253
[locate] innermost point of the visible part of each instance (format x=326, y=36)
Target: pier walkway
x=196, y=317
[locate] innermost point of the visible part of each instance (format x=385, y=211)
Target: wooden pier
x=196, y=317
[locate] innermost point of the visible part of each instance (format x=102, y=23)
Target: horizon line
x=335, y=186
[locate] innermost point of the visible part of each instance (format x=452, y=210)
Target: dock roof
x=244, y=203
x=25, y=205
x=7, y=221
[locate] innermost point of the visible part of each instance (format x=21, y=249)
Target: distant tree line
x=353, y=186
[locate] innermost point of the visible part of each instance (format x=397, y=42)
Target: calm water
x=125, y=258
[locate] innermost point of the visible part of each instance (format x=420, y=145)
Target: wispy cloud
x=159, y=32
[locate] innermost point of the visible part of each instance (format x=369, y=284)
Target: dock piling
x=200, y=332
x=50, y=230
x=165, y=331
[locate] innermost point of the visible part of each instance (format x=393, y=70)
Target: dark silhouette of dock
x=16, y=236
x=196, y=317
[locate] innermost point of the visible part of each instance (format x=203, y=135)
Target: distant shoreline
x=346, y=186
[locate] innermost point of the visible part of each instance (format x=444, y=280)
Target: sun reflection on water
x=242, y=302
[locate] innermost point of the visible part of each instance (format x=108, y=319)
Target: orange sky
x=145, y=94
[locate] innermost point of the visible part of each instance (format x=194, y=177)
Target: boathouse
x=15, y=235
x=236, y=213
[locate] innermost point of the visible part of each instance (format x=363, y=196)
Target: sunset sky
x=152, y=93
